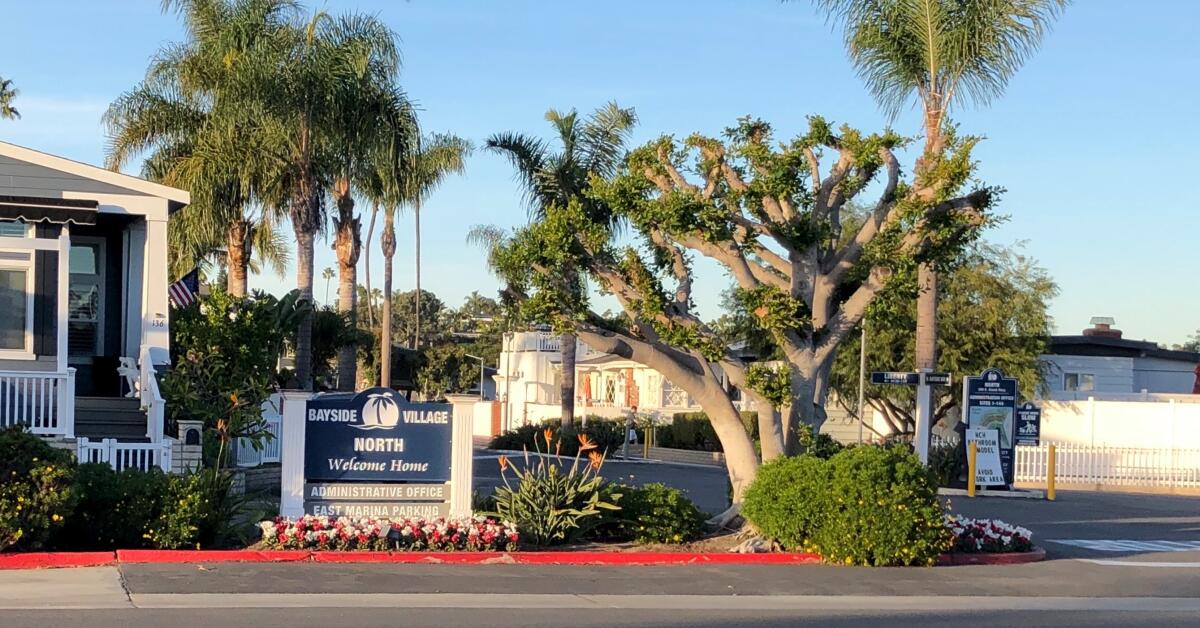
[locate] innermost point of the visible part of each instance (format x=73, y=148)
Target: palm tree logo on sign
x=380, y=412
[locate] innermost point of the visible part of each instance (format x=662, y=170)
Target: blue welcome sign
x=376, y=436
x=990, y=402
x=1029, y=425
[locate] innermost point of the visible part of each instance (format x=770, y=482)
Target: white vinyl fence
x=42, y=402
x=1114, y=466
x=246, y=455
x=121, y=456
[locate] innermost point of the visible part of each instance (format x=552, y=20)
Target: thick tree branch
x=851, y=312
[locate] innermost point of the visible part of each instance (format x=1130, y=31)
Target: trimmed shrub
x=882, y=509
x=788, y=499
x=818, y=445
x=606, y=434
x=693, y=430
x=198, y=510
x=36, y=493
x=653, y=513
x=114, y=510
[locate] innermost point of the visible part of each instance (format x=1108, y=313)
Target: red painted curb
x=567, y=558
x=45, y=560
x=211, y=556
x=1011, y=558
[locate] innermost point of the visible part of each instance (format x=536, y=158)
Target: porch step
x=110, y=417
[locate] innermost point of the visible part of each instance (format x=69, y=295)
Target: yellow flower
x=55, y=517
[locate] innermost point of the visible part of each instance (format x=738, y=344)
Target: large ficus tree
x=771, y=215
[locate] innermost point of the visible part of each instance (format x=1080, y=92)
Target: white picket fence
x=121, y=456
x=1114, y=466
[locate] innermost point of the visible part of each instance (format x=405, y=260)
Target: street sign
x=990, y=402
x=901, y=378
x=937, y=379
x=1029, y=425
x=898, y=378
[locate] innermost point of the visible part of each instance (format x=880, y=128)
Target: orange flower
x=548, y=434
x=503, y=460
x=595, y=460
x=585, y=443
x=233, y=398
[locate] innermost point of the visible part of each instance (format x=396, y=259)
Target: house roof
x=1117, y=347
x=178, y=197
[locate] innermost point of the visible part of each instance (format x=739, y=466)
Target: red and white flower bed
x=988, y=536
x=475, y=534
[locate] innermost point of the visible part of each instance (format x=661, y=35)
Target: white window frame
x=27, y=266
x=1079, y=375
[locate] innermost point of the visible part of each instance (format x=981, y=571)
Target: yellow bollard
x=971, y=448
x=1050, y=474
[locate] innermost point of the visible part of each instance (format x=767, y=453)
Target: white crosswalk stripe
x=1126, y=545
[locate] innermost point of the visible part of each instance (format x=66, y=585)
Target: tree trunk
x=417, y=233
x=348, y=246
x=367, y=264
x=304, y=282
x=770, y=429
x=566, y=347
x=741, y=462
x=927, y=298
x=388, y=241
x=238, y=248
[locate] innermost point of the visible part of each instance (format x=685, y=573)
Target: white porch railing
x=121, y=456
x=1117, y=466
x=152, y=399
x=43, y=402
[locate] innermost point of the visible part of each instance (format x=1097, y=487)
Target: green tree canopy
x=993, y=313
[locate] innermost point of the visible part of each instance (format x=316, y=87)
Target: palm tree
x=327, y=274
x=321, y=81
x=195, y=116
x=403, y=181
x=591, y=146
x=940, y=53
x=371, y=114
x=7, y=94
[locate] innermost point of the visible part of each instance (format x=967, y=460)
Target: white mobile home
x=83, y=299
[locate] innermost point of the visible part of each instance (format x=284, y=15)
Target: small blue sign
x=1029, y=425
x=376, y=436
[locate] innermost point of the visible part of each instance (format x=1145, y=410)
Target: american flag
x=183, y=292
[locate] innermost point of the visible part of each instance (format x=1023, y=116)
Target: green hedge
x=36, y=495
x=693, y=430
x=863, y=506
x=605, y=433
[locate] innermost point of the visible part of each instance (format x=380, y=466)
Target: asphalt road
x=1057, y=593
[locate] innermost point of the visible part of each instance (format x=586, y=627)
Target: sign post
x=990, y=403
x=924, y=380
x=373, y=454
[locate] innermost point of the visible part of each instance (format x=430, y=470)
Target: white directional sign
x=988, y=471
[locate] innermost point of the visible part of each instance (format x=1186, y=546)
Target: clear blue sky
x=1095, y=140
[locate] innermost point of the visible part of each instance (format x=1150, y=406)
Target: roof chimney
x=1102, y=326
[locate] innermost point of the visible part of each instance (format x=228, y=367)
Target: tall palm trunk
x=238, y=248
x=417, y=225
x=367, y=264
x=388, y=242
x=566, y=346
x=927, y=276
x=349, y=246
x=304, y=282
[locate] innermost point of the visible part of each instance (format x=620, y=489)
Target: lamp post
x=475, y=357
x=862, y=375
